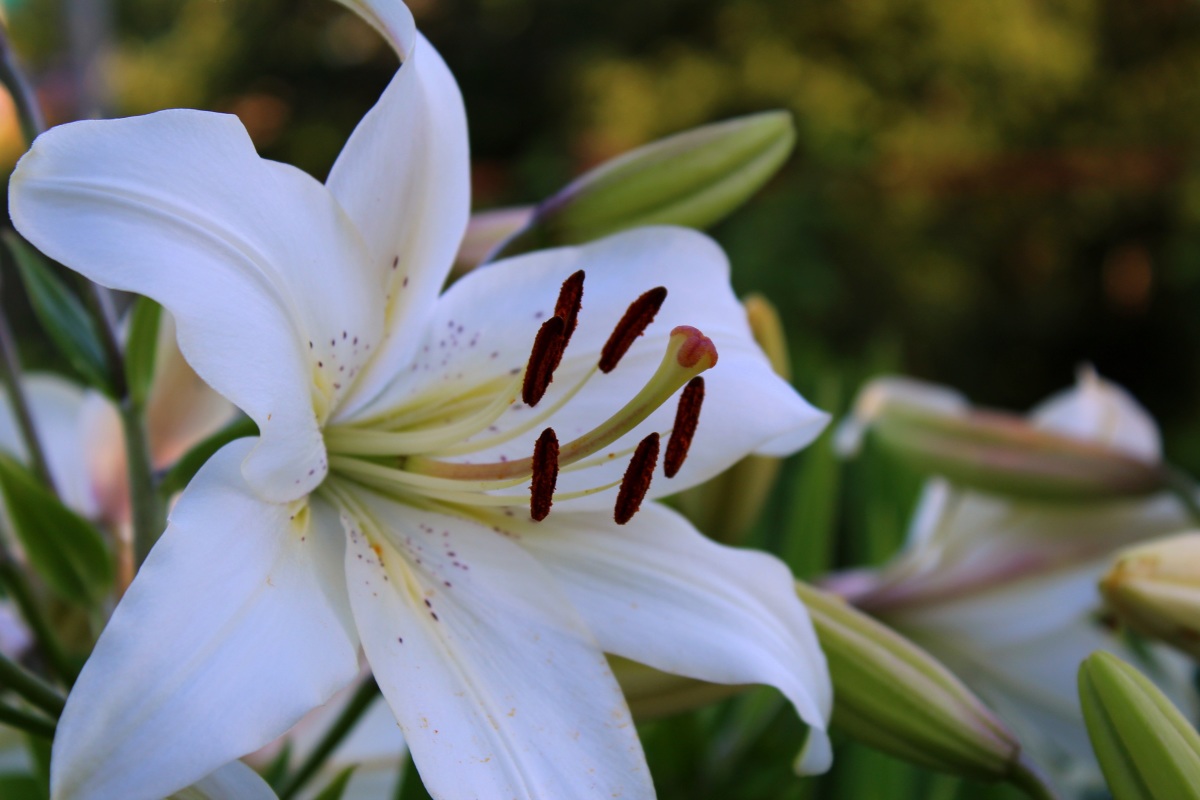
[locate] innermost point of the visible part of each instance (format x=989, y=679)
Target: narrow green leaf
x=337, y=787
x=61, y=314
x=141, y=349
x=63, y=548
x=411, y=787
x=20, y=787
x=191, y=462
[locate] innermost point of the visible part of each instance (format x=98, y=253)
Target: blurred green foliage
x=985, y=194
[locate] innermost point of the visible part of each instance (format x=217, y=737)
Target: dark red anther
x=637, y=318
x=570, y=300
x=547, y=351
x=637, y=479
x=687, y=414
x=545, y=475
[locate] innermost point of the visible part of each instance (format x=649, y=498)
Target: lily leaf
x=62, y=547
x=61, y=314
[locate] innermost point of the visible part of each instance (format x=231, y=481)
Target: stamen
x=637, y=318
x=570, y=300
x=689, y=353
x=545, y=475
x=637, y=479
x=547, y=351
x=687, y=414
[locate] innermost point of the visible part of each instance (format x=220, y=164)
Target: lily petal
x=233, y=598
x=498, y=686
x=181, y=409
x=234, y=780
x=484, y=325
x=658, y=592
x=253, y=258
x=404, y=178
x=1101, y=411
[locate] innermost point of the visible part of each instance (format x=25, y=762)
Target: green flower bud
x=935, y=431
x=1146, y=748
x=893, y=696
x=694, y=179
x=1155, y=589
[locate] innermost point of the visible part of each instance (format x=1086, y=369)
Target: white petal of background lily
x=1004, y=591
x=407, y=442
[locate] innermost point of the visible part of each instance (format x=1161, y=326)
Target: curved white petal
x=658, y=592
x=499, y=688
x=1101, y=411
x=181, y=409
x=57, y=407
x=391, y=18
x=236, y=625
x=484, y=326
x=404, y=178
x=234, y=781
x=255, y=259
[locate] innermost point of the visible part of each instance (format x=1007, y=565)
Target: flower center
x=407, y=454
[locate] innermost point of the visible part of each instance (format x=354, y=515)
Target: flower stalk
x=364, y=696
x=30, y=687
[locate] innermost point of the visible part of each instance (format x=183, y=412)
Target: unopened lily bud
x=1155, y=590
x=652, y=694
x=694, y=179
x=1146, y=748
x=726, y=507
x=893, y=696
x=934, y=430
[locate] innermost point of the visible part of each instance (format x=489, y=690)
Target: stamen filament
x=367, y=442
x=697, y=353
x=526, y=426
x=381, y=474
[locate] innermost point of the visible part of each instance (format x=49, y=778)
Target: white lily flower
x=387, y=500
x=1004, y=592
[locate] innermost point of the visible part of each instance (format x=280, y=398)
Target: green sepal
x=62, y=547
x=694, y=179
x=895, y=697
x=141, y=348
x=1146, y=748
x=60, y=313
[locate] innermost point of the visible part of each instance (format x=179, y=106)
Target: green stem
x=12, y=577
x=147, y=509
x=10, y=374
x=29, y=113
x=1026, y=777
x=20, y=680
x=362, y=699
x=27, y=721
